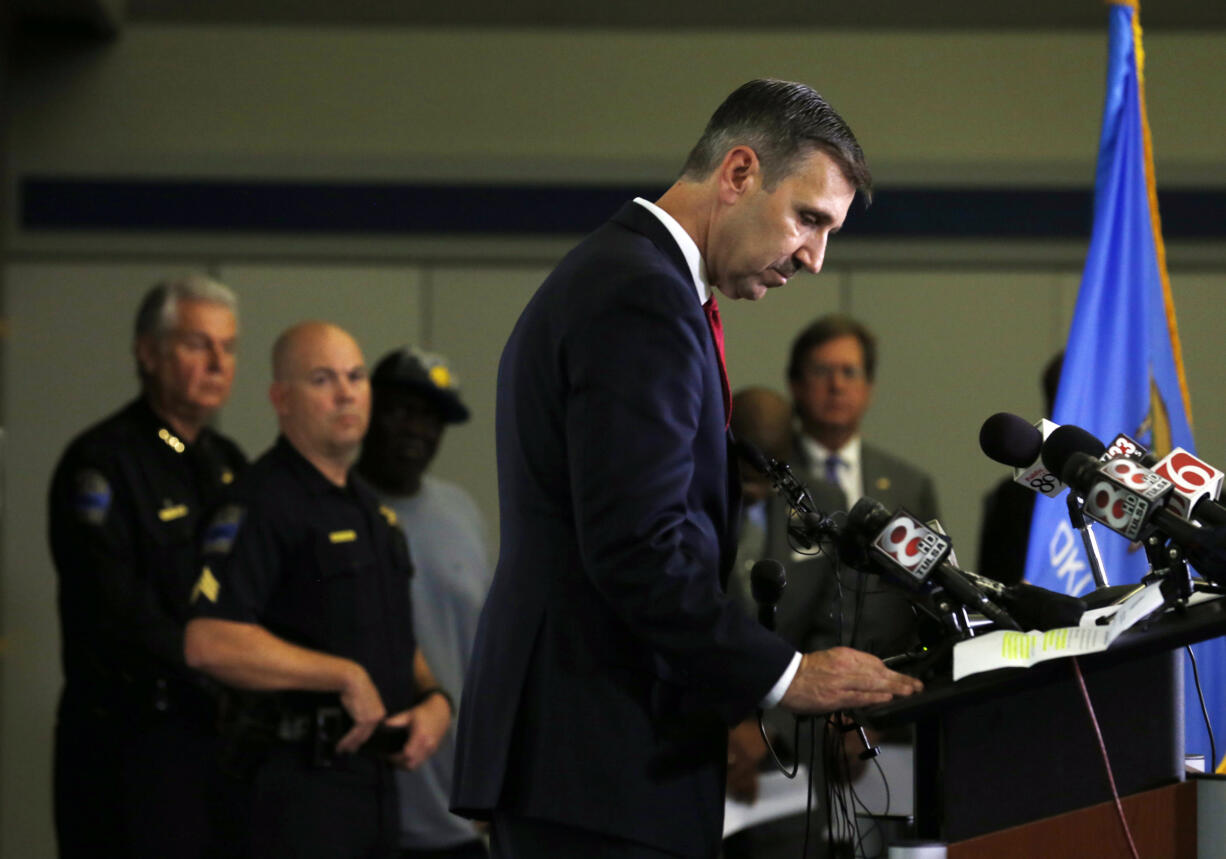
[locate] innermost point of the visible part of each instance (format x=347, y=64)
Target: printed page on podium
x=1008, y=649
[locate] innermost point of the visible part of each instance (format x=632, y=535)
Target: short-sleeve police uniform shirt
x=321, y=566
x=127, y=504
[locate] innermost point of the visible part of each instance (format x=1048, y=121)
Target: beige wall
x=282, y=101
x=965, y=328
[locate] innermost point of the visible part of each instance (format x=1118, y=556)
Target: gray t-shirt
x=451, y=576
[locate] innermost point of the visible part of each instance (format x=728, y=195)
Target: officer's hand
x=361, y=701
x=840, y=679
x=427, y=724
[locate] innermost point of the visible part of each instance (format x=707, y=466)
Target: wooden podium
x=1179, y=821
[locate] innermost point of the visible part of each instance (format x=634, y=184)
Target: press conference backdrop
x=965, y=327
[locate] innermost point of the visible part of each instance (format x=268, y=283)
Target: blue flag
x=1123, y=370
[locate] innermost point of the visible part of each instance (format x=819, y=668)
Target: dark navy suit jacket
x=608, y=660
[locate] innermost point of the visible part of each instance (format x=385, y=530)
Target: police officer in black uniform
x=304, y=592
x=135, y=733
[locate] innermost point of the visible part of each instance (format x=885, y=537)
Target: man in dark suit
x=609, y=662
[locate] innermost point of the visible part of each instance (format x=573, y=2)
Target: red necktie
x=711, y=308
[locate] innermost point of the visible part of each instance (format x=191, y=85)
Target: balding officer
x=135, y=741
x=304, y=592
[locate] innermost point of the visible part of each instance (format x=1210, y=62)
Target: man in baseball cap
x=415, y=397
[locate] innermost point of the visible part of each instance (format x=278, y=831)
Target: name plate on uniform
x=169, y=514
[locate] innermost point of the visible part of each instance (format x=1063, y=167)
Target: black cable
x=771, y=748
x=844, y=830
x=809, y=792
x=869, y=814
x=858, y=807
x=1200, y=695
x=830, y=770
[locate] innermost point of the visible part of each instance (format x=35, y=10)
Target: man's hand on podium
x=842, y=679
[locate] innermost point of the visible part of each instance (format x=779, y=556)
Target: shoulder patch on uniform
x=206, y=586
x=389, y=514
x=222, y=530
x=92, y=496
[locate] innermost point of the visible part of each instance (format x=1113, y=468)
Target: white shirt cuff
x=775, y=695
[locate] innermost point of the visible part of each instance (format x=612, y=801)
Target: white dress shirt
x=698, y=270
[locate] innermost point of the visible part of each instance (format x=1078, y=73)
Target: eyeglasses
x=846, y=372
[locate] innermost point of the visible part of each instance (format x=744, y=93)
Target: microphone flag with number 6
x=1123, y=366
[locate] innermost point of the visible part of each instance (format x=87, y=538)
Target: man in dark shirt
x=304, y=591
x=135, y=741
x=1004, y=533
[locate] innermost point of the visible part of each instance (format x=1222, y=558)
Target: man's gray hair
x=159, y=309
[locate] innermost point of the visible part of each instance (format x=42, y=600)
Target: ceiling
x=110, y=15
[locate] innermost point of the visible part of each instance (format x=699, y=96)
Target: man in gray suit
x=830, y=375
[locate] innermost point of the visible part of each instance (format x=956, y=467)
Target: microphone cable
x=1102, y=749
x=1200, y=696
x=795, y=745
x=843, y=802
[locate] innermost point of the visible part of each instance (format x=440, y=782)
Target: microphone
x=907, y=551
x=1125, y=445
x=1012, y=440
x=756, y=458
x=1030, y=605
x=1068, y=441
x=1197, y=484
x=807, y=524
x=1121, y=493
x=1197, y=487
x=1129, y=495
x=767, y=579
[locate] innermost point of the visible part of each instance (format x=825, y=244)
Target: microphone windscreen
x=767, y=579
x=1010, y=440
x=866, y=518
x=1207, y=553
x=1066, y=441
x=1039, y=608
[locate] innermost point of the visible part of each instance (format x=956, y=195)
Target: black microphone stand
x=1078, y=520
